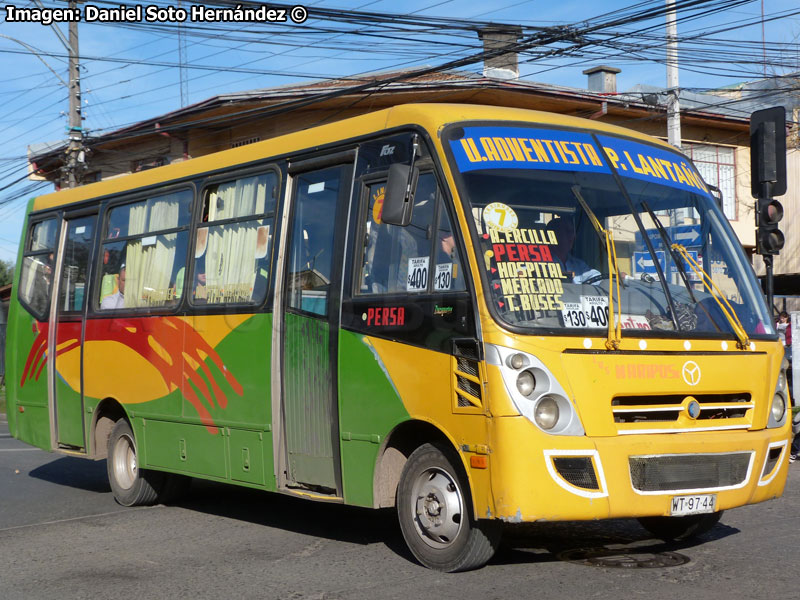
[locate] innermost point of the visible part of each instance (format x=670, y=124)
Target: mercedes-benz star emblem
x=691, y=373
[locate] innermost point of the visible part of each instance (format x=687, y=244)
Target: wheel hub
x=438, y=508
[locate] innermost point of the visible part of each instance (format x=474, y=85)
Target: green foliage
x=6, y=272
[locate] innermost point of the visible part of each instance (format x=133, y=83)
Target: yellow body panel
x=424, y=382
x=135, y=380
x=526, y=490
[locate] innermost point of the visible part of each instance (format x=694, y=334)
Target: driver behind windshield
x=576, y=270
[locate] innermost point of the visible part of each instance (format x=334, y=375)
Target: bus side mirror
x=716, y=193
x=398, y=202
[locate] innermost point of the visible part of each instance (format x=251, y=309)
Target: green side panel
x=32, y=425
x=309, y=401
x=238, y=445
x=370, y=408
x=184, y=448
x=69, y=415
x=246, y=455
x=246, y=353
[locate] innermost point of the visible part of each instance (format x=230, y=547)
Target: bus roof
x=430, y=116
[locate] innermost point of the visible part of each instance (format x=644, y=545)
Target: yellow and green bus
x=477, y=315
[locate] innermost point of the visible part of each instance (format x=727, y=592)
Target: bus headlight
x=517, y=361
x=777, y=412
x=778, y=407
x=534, y=391
x=525, y=383
x=781, y=381
x=546, y=413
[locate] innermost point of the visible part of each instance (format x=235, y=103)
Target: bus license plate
x=693, y=505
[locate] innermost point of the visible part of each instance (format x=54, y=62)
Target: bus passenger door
x=311, y=298
x=67, y=319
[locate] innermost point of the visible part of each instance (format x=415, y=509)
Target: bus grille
x=689, y=471
x=724, y=411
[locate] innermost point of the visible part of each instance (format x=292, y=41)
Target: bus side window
x=397, y=259
x=143, y=251
x=448, y=275
x=36, y=277
x=232, y=249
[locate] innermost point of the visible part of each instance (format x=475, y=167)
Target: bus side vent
x=467, y=347
x=468, y=386
x=467, y=366
x=577, y=471
x=689, y=471
x=772, y=458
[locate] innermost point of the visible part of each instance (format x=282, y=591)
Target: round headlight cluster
x=546, y=413
x=778, y=407
x=526, y=383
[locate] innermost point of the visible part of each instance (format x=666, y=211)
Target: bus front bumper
x=539, y=477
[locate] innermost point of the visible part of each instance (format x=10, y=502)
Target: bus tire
x=131, y=485
x=680, y=528
x=435, y=514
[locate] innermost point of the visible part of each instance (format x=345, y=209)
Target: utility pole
x=75, y=150
x=673, y=105
x=182, y=63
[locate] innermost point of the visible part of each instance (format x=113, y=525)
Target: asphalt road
x=63, y=536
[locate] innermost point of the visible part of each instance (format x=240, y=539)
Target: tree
x=6, y=272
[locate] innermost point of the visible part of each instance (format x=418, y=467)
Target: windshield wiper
x=668, y=244
x=614, y=316
x=677, y=251
x=716, y=293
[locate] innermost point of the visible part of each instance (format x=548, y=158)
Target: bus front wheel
x=680, y=528
x=131, y=485
x=434, y=510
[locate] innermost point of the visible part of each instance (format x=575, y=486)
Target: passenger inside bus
x=117, y=299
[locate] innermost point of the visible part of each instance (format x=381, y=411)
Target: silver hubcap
x=125, y=468
x=438, y=507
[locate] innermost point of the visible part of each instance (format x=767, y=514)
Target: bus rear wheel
x=131, y=485
x=680, y=528
x=434, y=510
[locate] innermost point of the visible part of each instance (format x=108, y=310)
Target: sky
x=130, y=70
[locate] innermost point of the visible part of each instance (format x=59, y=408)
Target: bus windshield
x=547, y=203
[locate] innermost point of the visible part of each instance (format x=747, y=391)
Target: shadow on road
x=350, y=524
x=610, y=543
x=76, y=473
x=613, y=540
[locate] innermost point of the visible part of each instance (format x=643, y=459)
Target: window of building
x=717, y=165
x=234, y=239
x=144, y=252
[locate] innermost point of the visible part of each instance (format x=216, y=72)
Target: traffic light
x=769, y=239
x=768, y=179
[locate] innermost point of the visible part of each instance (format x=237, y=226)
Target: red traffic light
x=769, y=239
x=769, y=212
